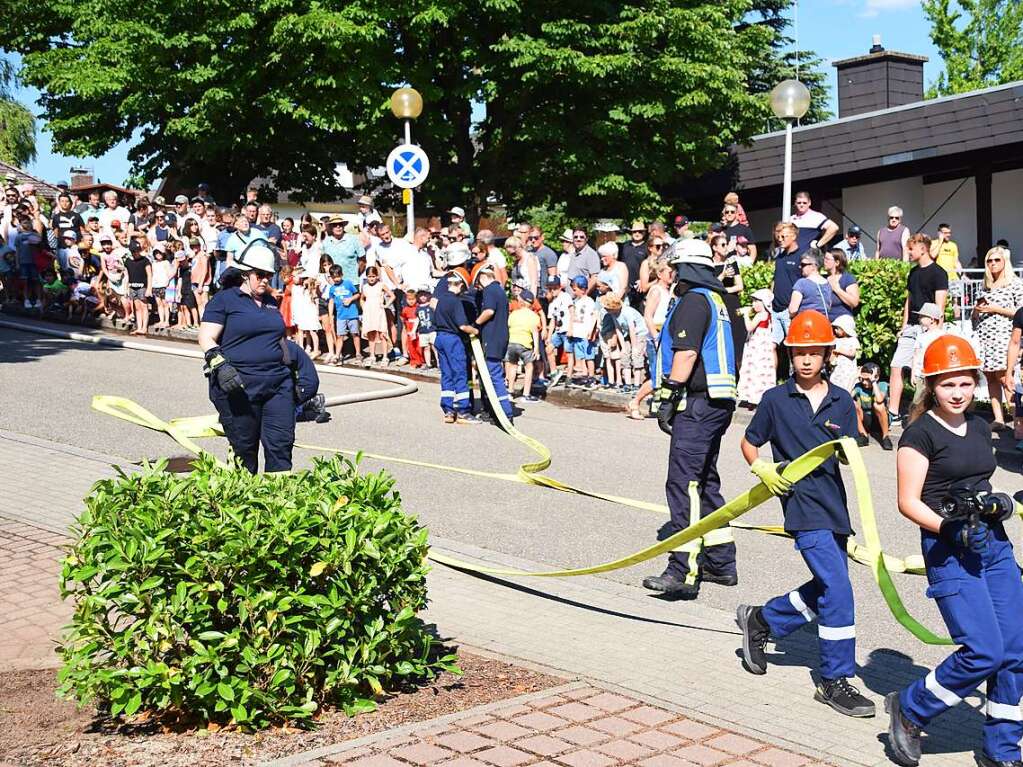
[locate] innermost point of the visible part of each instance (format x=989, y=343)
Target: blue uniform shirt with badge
x=450, y=312
x=494, y=332
x=784, y=418
x=251, y=340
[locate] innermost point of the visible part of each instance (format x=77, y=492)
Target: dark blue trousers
x=454, y=384
x=693, y=487
x=265, y=415
x=980, y=597
x=827, y=598
x=496, y=370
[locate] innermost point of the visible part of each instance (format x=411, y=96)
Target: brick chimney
x=879, y=80
x=81, y=177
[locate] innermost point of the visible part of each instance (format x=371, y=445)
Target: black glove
x=671, y=393
x=223, y=372
x=971, y=534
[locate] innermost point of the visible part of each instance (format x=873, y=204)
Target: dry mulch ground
x=38, y=729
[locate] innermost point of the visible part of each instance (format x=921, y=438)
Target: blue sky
x=835, y=29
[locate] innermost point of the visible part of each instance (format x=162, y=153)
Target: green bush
x=882, y=296
x=225, y=597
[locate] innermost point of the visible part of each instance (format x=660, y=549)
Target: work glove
x=670, y=393
x=223, y=372
x=971, y=534
x=769, y=474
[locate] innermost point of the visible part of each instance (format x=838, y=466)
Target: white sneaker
x=28, y=304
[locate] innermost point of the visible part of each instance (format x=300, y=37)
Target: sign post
x=407, y=164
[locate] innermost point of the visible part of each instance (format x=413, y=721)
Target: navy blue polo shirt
x=786, y=272
x=494, y=332
x=450, y=312
x=784, y=418
x=251, y=340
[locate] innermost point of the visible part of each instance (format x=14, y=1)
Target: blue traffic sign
x=407, y=166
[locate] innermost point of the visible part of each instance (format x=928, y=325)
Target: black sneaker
x=671, y=585
x=863, y=440
x=721, y=579
x=903, y=735
x=844, y=698
x=886, y=443
x=754, y=638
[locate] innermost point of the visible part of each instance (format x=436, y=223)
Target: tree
x=980, y=41
x=779, y=64
x=17, y=125
x=599, y=105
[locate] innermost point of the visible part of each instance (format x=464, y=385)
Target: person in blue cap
x=453, y=326
x=250, y=383
x=697, y=400
x=492, y=321
x=803, y=413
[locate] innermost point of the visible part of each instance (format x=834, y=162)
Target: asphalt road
x=46, y=386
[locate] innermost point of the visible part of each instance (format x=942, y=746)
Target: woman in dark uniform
x=243, y=337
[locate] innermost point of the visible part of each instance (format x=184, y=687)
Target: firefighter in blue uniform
x=492, y=321
x=803, y=413
x=250, y=383
x=945, y=462
x=453, y=327
x=697, y=400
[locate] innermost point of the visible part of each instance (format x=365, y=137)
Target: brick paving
x=29, y=598
x=575, y=735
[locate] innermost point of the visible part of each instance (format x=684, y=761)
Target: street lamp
x=789, y=101
x=407, y=105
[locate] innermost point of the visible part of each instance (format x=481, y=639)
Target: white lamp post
x=789, y=101
x=407, y=105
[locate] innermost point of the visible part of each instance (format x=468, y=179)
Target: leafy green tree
x=602, y=106
x=980, y=41
x=17, y=125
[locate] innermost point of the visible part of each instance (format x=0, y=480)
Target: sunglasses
x=532, y=239
x=894, y=218
x=806, y=263
x=728, y=212
x=261, y=275
x=657, y=247
x=578, y=238
x=993, y=261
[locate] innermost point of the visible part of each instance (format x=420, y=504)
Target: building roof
x=44, y=188
x=930, y=129
x=880, y=56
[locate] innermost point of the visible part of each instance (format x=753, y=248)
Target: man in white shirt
x=113, y=211
x=416, y=272
x=390, y=254
x=815, y=230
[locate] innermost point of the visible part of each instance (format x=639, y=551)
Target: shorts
x=903, y=357
x=780, y=325
x=427, y=339
x=160, y=293
x=518, y=353
x=321, y=307
x=137, y=294
x=188, y=300
x=347, y=327
x=581, y=348
x=559, y=340
x=29, y=272
x=196, y=288
x=635, y=356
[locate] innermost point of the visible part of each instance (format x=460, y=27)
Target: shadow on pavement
x=19, y=346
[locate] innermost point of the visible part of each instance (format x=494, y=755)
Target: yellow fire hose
x=869, y=553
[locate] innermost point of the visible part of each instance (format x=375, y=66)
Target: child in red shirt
x=410, y=338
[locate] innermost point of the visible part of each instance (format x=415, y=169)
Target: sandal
x=634, y=412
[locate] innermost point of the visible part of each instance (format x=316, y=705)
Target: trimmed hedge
x=882, y=295
x=220, y=596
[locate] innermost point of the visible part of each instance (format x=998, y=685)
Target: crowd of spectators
x=581, y=316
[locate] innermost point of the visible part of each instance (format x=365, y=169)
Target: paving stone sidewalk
x=679, y=657
x=577, y=725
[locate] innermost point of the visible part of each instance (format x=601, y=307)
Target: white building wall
x=1007, y=208
x=960, y=213
x=868, y=205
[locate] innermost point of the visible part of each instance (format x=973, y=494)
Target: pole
x=410, y=216
x=786, y=192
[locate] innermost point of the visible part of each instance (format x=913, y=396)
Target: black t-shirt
x=137, y=271
x=1017, y=319
x=955, y=462
x=633, y=256
x=739, y=230
x=688, y=325
x=924, y=282
x=62, y=221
